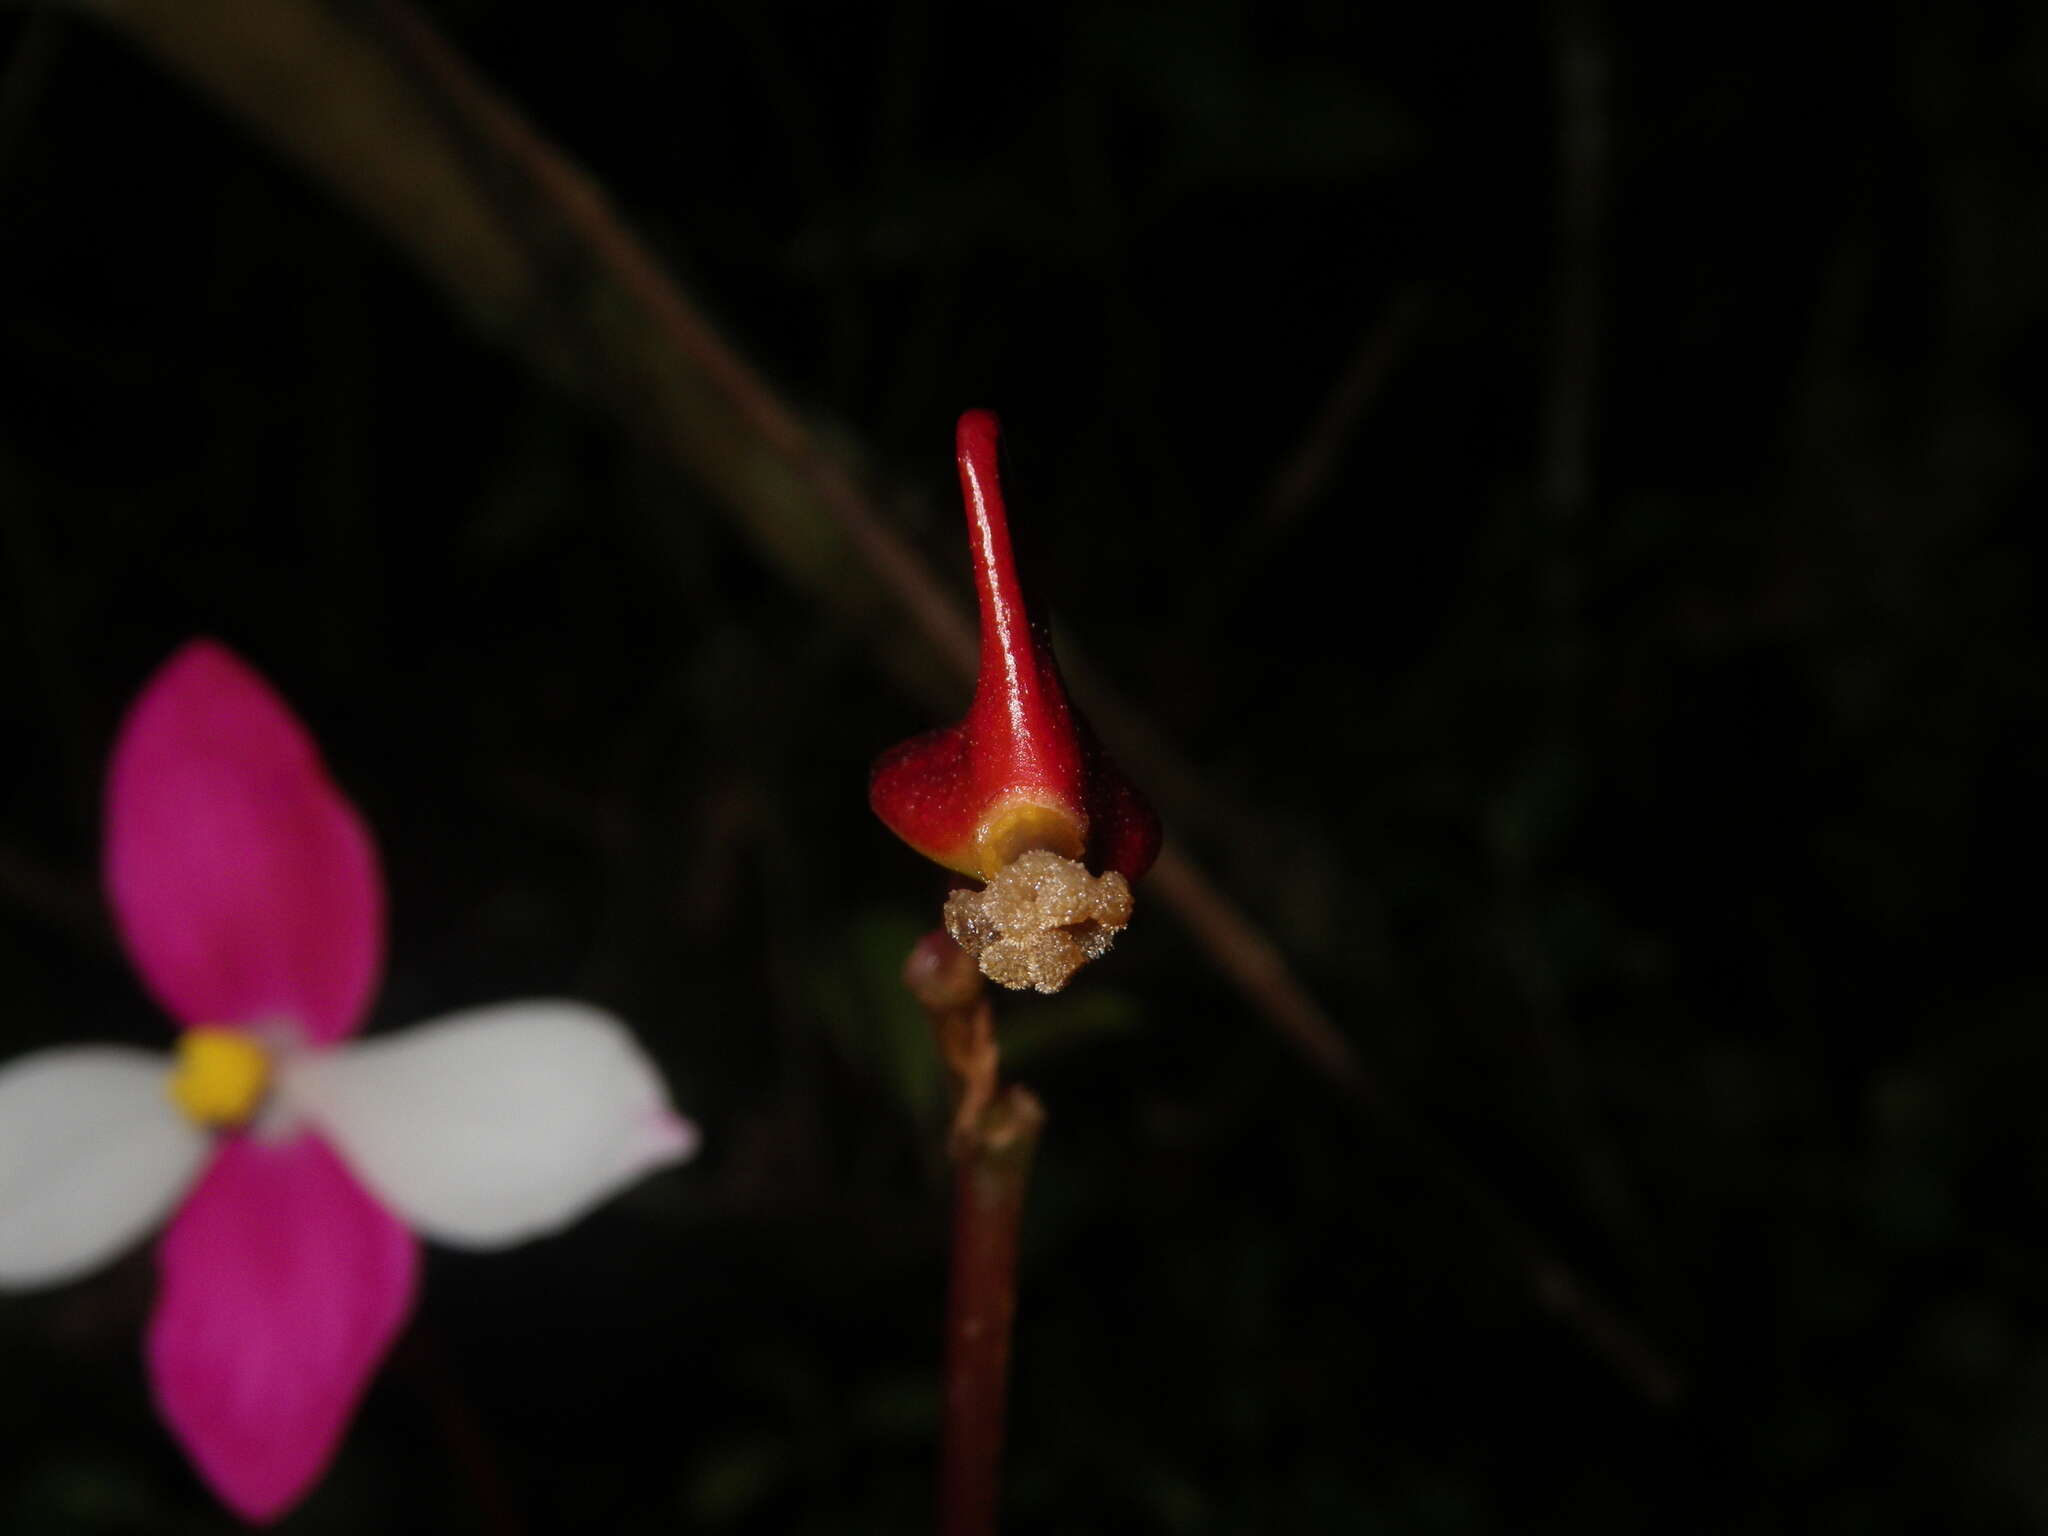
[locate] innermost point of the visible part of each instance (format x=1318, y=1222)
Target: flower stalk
x=989, y=1182
x=993, y=1138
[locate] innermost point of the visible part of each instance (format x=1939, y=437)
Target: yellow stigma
x=1022, y=825
x=220, y=1076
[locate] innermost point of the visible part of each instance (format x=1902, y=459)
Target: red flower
x=1022, y=771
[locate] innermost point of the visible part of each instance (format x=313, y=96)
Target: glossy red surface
x=1021, y=742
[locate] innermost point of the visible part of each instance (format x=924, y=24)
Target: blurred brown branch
x=379, y=108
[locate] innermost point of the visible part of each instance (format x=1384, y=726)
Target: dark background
x=1627, y=715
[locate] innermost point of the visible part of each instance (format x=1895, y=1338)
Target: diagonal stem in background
x=379, y=108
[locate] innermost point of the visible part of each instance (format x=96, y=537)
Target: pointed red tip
x=1021, y=769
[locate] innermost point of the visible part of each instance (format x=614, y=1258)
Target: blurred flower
x=247, y=894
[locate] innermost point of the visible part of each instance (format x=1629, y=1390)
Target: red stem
x=989, y=1181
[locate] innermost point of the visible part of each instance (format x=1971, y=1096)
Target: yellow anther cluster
x=1040, y=920
x=220, y=1076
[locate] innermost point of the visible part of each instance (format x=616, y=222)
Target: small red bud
x=1022, y=771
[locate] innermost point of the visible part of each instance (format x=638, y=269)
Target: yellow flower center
x=220, y=1076
x=1019, y=826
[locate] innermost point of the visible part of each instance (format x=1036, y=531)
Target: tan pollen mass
x=1039, y=920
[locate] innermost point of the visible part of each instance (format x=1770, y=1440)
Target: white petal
x=492, y=1126
x=93, y=1155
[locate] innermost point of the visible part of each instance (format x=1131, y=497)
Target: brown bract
x=1039, y=920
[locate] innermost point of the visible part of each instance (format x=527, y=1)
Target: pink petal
x=283, y=1284
x=245, y=886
